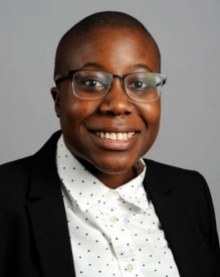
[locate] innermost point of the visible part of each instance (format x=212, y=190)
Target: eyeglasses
x=92, y=85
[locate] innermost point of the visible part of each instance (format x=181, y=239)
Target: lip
x=114, y=145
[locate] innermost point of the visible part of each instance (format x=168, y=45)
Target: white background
x=188, y=33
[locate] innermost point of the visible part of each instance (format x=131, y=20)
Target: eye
x=91, y=83
x=138, y=84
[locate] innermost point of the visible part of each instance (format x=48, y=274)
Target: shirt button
x=129, y=267
x=113, y=219
x=111, y=194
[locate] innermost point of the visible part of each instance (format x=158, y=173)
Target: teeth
x=115, y=136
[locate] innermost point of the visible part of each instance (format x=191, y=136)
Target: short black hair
x=111, y=19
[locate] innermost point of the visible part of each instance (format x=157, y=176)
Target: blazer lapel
x=47, y=215
x=175, y=223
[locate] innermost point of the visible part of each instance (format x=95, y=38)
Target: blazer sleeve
x=211, y=227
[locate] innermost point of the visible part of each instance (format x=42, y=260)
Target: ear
x=55, y=92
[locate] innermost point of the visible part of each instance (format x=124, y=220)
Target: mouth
x=119, y=136
x=116, y=141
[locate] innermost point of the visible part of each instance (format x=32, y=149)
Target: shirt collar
x=86, y=190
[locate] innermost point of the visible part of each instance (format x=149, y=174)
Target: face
x=112, y=133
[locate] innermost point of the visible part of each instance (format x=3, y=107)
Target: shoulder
x=184, y=183
x=172, y=173
x=19, y=170
x=15, y=169
x=188, y=187
x=15, y=166
x=14, y=177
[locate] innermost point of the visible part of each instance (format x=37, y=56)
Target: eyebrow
x=140, y=65
x=97, y=65
x=91, y=64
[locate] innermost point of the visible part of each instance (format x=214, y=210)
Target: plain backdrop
x=188, y=33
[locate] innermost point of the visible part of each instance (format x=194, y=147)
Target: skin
x=118, y=51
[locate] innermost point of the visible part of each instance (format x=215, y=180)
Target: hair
x=109, y=19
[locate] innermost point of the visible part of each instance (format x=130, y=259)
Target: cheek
x=151, y=114
x=74, y=112
x=151, y=118
x=71, y=107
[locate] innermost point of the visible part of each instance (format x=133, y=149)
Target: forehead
x=111, y=48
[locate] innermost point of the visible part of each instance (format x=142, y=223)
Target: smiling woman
x=127, y=53
x=88, y=204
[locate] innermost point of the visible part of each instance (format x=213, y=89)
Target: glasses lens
x=91, y=84
x=144, y=86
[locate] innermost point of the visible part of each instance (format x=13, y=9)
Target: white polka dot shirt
x=112, y=232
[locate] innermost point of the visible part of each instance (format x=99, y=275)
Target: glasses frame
x=69, y=74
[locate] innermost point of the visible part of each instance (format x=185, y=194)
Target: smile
x=116, y=136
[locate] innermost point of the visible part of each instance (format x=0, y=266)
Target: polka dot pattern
x=112, y=232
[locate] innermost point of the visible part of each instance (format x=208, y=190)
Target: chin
x=113, y=166
x=114, y=170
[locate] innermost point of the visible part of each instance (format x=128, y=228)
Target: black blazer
x=34, y=239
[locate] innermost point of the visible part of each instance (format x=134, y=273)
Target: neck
x=111, y=180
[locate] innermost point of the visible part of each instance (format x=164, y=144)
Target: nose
x=116, y=101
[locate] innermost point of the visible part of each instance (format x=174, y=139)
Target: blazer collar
x=44, y=177
x=176, y=224
x=47, y=214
